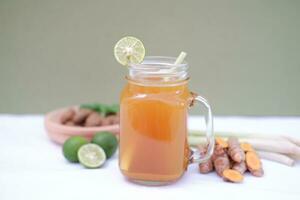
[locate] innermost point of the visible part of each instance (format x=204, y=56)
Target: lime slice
x=91, y=156
x=129, y=50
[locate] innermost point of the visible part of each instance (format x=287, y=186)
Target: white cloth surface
x=32, y=167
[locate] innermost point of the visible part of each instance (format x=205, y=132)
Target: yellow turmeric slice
x=247, y=147
x=221, y=142
x=253, y=161
x=232, y=176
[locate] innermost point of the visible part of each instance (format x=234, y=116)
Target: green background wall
x=244, y=56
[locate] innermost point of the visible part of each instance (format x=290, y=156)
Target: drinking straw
x=180, y=58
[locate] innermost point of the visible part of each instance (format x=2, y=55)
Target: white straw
x=180, y=58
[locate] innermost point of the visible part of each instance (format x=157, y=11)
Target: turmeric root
x=246, y=147
x=235, y=152
x=218, y=151
x=232, y=176
x=257, y=173
x=254, y=164
x=206, y=166
x=220, y=159
x=231, y=160
x=221, y=162
x=240, y=167
x=221, y=142
x=253, y=161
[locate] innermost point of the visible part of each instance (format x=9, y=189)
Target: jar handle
x=196, y=156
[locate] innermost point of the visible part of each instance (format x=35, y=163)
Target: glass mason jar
x=153, y=122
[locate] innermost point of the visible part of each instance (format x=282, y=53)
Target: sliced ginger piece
x=221, y=142
x=247, y=147
x=232, y=176
x=253, y=161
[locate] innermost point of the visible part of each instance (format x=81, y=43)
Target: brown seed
x=70, y=123
x=81, y=116
x=110, y=114
x=105, y=122
x=108, y=120
x=116, y=119
x=94, y=119
x=67, y=115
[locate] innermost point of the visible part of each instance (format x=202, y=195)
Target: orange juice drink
x=153, y=131
x=153, y=122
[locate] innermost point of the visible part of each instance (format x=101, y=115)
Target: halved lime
x=129, y=50
x=91, y=156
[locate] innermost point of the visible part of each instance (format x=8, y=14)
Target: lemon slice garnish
x=129, y=50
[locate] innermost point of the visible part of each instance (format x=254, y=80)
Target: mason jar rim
x=161, y=61
x=158, y=70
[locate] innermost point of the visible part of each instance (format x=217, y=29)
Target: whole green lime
x=107, y=141
x=71, y=147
